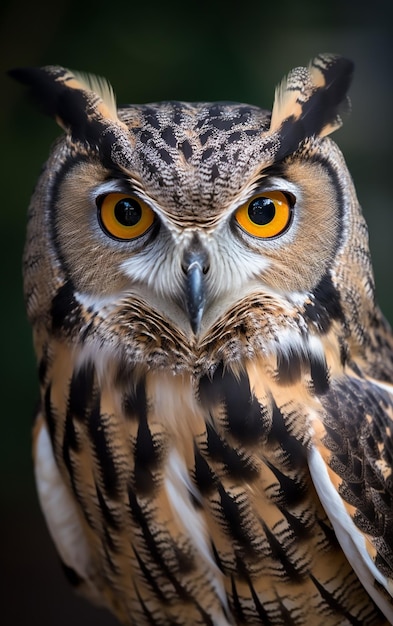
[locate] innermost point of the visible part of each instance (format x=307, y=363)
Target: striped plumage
x=214, y=441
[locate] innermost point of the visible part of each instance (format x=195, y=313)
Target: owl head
x=192, y=229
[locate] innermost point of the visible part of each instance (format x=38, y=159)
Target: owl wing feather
x=61, y=515
x=351, y=466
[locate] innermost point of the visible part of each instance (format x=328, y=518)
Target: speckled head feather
x=70, y=97
x=214, y=440
x=306, y=104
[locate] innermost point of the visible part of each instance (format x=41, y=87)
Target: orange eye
x=125, y=217
x=266, y=215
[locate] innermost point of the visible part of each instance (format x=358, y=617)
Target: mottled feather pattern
x=231, y=471
x=261, y=511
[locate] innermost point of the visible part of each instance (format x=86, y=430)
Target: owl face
x=198, y=218
x=263, y=226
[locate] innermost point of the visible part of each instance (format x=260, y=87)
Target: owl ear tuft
x=81, y=104
x=309, y=101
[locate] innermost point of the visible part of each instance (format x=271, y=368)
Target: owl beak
x=195, y=267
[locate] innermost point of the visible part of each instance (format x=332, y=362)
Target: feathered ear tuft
x=78, y=102
x=309, y=101
x=102, y=87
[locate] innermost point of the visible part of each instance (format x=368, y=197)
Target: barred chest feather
x=194, y=495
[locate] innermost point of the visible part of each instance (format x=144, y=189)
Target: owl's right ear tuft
x=81, y=105
x=43, y=88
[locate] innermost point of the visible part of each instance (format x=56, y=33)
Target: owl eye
x=265, y=215
x=124, y=217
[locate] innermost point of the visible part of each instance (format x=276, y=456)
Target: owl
x=214, y=439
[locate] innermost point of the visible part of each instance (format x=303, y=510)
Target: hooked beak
x=195, y=267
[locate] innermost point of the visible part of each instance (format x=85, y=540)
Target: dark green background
x=154, y=51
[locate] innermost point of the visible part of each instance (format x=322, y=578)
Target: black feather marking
x=325, y=306
x=204, y=476
x=109, y=543
x=49, y=413
x=165, y=156
x=334, y=604
x=107, y=513
x=152, y=547
x=151, y=118
x=71, y=463
x=149, y=578
x=65, y=310
x=186, y=149
x=70, y=437
x=147, y=456
x=332, y=97
x=320, y=109
x=301, y=528
x=294, y=449
x=238, y=463
x=278, y=553
x=244, y=413
x=319, y=375
x=286, y=617
x=237, y=608
x=329, y=533
x=149, y=617
x=292, y=490
x=246, y=418
x=103, y=450
x=234, y=519
x=217, y=557
x=259, y=608
x=148, y=449
x=169, y=136
x=204, y=137
x=81, y=391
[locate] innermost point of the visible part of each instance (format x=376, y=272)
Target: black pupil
x=261, y=211
x=128, y=212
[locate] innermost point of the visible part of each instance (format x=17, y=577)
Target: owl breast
x=195, y=496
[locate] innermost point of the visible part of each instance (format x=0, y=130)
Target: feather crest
x=100, y=86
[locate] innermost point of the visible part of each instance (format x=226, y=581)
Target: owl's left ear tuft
x=310, y=100
x=78, y=102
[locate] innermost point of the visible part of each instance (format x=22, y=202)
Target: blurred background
x=156, y=51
